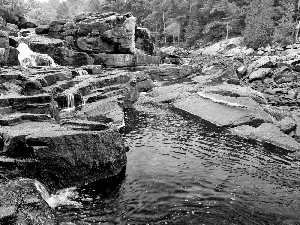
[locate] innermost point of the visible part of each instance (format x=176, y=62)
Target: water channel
x=183, y=170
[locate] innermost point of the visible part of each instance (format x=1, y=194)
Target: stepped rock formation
x=108, y=39
x=8, y=54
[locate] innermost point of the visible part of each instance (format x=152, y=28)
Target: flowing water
x=183, y=170
x=29, y=58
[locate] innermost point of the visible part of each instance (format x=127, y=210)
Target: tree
x=285, y=28
x=259, y=23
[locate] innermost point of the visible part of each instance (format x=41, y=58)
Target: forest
x=183, y=22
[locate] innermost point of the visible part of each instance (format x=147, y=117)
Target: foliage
x=259, y=23
x=285, y=28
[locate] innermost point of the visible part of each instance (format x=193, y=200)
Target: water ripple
x=182, y=170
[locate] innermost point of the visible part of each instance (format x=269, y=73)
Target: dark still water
x=183, y=170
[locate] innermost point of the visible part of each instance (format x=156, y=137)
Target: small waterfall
x=29, y=58
x=70, y=100
x=60, y=198
x=26, y=55
x=69, y=111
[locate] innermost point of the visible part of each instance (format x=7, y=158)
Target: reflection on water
x=182, y=170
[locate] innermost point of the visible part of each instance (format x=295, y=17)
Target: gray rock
x=241, y=71
x=42, y=29
x=261, y=73
x=232, y=90
x=262, y=62
x=268, y=133
x=260, y=52
x=63, y=157
x=277, y=112
x=22, y=202
x=224, y=110
x=296, y=117
x=287, y=125
x=107, y=111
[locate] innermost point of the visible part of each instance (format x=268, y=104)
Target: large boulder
x=263, y=62
x=236, y=91
x=268, y=133
x=61, y=156
x=107, y=111
x=224, y=110
x=259, y=74
x=96, y=32
x=22, y=202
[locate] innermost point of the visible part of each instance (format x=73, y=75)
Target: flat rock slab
x=268, y=133
x=63, y=157
x=224, y=110
x=167, y=94
x=19, y=101
x=20, y=117
x=232, y=90
x=106, y=111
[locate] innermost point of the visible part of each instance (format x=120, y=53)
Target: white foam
x=28, y=58
x=60, y=198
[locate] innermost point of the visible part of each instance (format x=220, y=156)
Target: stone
x=13, y=57
x=107, y=111
x=241, y=71
x=42, y=29
x=232, y=90
x=170, y=93
x=22, y=201
x=286, y=125
x=94, y=45
x=4, y=40
x=45, y=45
x=143, y=59
x=296, y=117
x=260, y=52
x=43, y=60
x=114, y=60
x=224, y=110
x=93, y=69
x=292, y=51
x=259, y=74
x=61, y=156
x=32, y=88
x=262, y=62
x=268, y=133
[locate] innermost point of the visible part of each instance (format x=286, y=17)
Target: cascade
x=28, y=58
x=70, y=100
x=62, y=197
x=69, y=111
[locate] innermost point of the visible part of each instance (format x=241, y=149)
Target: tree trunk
x=178, y=34
x=227, y=31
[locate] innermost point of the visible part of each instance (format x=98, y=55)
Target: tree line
x=184, y=22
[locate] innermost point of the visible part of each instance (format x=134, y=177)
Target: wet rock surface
x=109, y=39
x=64, y=156
x=22, y=202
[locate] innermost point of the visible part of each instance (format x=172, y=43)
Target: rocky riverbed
x=60, y=125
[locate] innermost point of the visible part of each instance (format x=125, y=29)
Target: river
x=183, y=170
